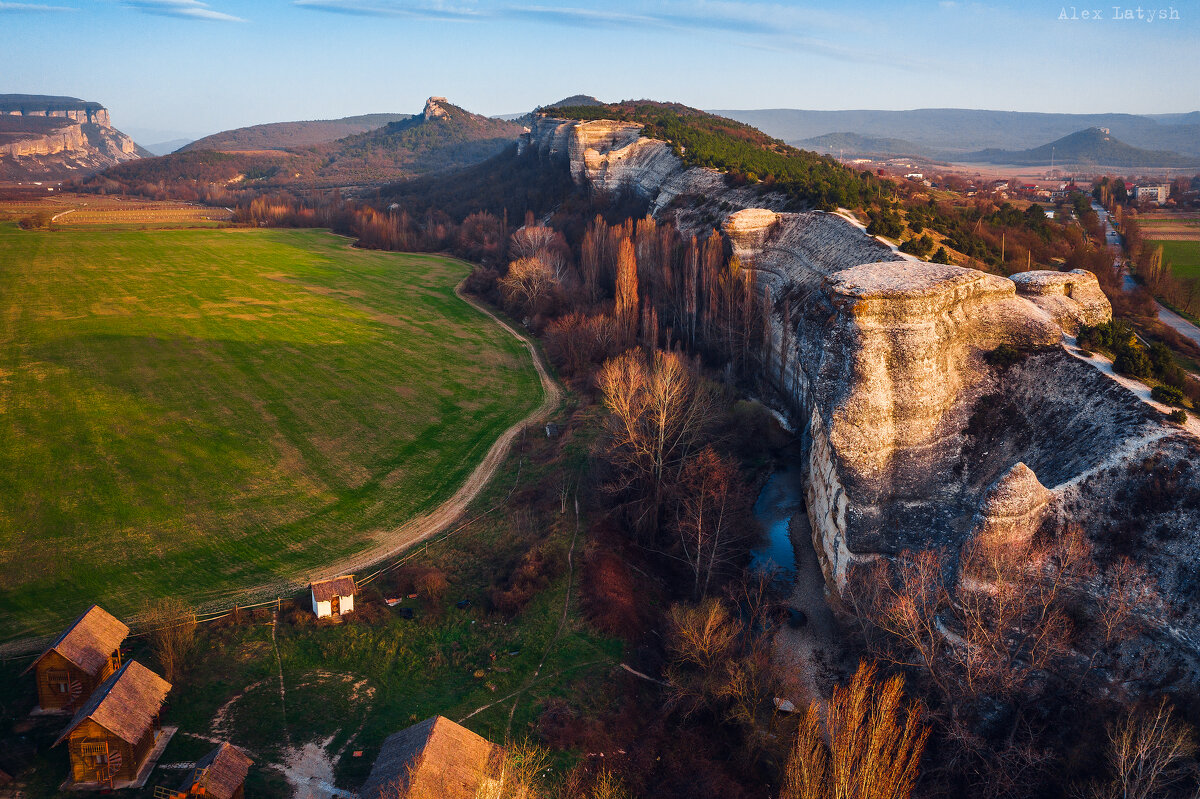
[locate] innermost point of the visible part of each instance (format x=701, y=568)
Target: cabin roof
x=125, y=704
x=89, y=641
x=227, y=767
x=326, y=590
x=433, y=758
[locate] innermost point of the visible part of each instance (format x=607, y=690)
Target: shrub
x=532, y=575
x=1003, y=356
x=1178, y=416
x=1132, y=360
x=1167, y=394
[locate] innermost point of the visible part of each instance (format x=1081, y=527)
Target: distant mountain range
x=299, y=154
x=283, y=135
x=1090, y=147
x=950, y=133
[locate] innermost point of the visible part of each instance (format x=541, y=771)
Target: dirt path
x=395, y=541
x=813, y=647
x=390, y=543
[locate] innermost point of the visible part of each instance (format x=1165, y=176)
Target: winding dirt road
x=389, y=543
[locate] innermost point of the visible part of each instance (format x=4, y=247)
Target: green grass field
x=1183, y=256
x=193, y=411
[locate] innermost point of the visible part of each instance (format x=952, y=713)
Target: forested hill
x=744, y=153
x=284, y=135
x=1091, y=146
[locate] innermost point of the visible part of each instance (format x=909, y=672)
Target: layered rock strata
x=912, y=437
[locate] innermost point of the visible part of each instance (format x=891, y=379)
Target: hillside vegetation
x=282, y=135
x=744, y=153
x=1091, y=146
x=184, y=409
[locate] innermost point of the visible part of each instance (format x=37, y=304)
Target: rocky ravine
x=912, y=438
x=50, y=138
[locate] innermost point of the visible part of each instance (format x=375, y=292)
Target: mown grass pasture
x=191, y=412
x=1182, y=256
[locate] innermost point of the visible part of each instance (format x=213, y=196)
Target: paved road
x=1165, y=315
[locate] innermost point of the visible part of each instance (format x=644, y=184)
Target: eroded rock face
x=1012, y=509
x=51, y=137
x=912, y=439
x=1072, y=298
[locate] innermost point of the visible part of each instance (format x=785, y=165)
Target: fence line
x=215, y=615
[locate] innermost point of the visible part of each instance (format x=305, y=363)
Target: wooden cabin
x=435, y=758
x=81, y=658
x=333, y=597
x=221, y=774
x=113, y=734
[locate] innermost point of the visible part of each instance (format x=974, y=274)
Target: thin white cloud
x=187, y=9
x=760, y=25
x=31, y=8
x=391, y=8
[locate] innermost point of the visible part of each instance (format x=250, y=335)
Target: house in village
x=333, y=597
x=435, y=758
x=81, y=658
x=113, y=735
x=221, y=774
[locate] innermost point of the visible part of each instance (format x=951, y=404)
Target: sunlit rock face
x=46, y=137
x=1012, y=510
x=1073, y=298
x=912, y=439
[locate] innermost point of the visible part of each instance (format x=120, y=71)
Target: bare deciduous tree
x=660, y=411
x=1148, y=756
x=172, y=633
x=527, y=285
x=871, y=746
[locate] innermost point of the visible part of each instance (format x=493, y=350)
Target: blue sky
x=190, y=67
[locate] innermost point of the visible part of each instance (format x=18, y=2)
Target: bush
x=1003, y=356
x=1178, y=416
x=1167, y=394
x=1132, y=360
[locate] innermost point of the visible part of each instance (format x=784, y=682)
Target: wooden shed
x=81, y=658
x=435, y=759
x=333, y=597
x=221, y=774
x=111, y=736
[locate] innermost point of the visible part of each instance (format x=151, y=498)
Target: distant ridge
x=948, y=133
x=284, y=135
x=442, y=137
x=1093, y=146
x=846, y=144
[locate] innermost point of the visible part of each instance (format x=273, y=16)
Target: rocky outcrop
x=912, y=437
x=1012, y=509
x=1073, y=298
x=54, y=137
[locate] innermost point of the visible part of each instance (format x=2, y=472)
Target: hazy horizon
x=182, y=68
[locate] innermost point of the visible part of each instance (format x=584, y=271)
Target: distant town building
x=81, y=658
x=1155, y=194
x=435, y=758
x=111, y=738
x=333, y=597
x=915, y=176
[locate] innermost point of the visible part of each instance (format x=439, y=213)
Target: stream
x=810, y=638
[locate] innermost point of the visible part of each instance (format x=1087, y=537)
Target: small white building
x=333, y=597
x=1155, y=194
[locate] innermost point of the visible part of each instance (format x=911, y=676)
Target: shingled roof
x=433, y=758
x=227, y=767
x=125, y=704
x=89, y=641
x=338, y=586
